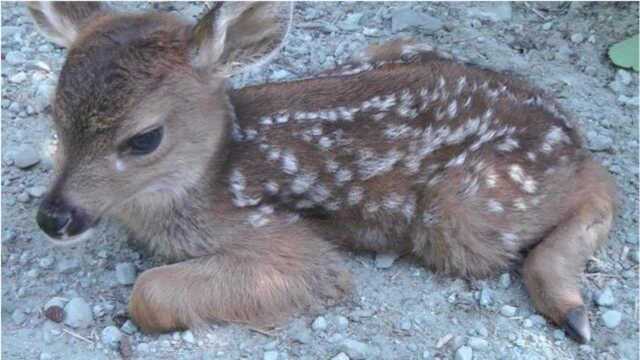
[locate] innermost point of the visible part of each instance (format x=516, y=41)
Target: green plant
x=625, y=53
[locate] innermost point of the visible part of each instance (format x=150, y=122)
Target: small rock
x=23, y=197
x=18, y=316
x=37, y=191
x=406, y=18
x=405, y=324
x=126, y=273
x=426, y=355
x=340, y=356
x=355, y=349
x=46, y=262
x=611, y=318
x=26, y=157
x=280, y=74
x=527, y=323
x=111, y=337
x=508, y=310
x=623, y=76
x=634, y=256
x=303, y=336
x=129, y=327
x=18, y=78
x=505, y=280
x=559, y=334
x=270, y=355
x=351, y=22
x=477, y=343
x=605, y=298
x=188, y=337
x=68, y=266
x=464, y=353
x=319, y=324
x=547, y=26
x=598, y=142
x=385, y=260
x=592, y=39
x=42, y=95
x=45, y=356
x=78, y=313
x=497, y=11
x=485, y=296
x=577, y=38
x=342, y=322
x=15, y=58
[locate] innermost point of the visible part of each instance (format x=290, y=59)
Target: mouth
x=68, y=240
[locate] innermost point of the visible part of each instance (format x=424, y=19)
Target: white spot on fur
x=265, y=120
x=370, y=166
x=457, y=161
x=120, y=166
x=343, y=176
x=531, y=156
x=272, y=188
x=519, y=176
x=452, y=109
x=494, y=206
x=520, y=204
x=392, y=201
x=325, y=142
x=302, y=183
x=508, y=144
x=289, y=162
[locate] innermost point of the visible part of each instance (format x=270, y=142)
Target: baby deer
x=249, y=192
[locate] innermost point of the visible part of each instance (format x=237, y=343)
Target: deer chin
x=66, y=240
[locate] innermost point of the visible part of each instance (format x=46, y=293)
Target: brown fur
x=399, y=177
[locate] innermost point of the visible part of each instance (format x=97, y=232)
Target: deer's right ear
x=233, y=36
x=60, y=22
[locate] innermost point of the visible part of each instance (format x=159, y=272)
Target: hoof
x=576, y=325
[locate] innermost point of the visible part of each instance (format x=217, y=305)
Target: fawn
x=249, y=192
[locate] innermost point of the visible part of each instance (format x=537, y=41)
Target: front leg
x=258, y=279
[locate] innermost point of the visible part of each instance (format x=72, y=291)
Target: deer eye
x=145, y=143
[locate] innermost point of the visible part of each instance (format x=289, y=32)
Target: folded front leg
x=258, y=279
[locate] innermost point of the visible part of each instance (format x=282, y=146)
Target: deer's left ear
x=60, y=22
x=234, y=36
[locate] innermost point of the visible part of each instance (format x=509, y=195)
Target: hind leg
x=551, y=270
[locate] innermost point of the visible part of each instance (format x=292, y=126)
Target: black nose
x=53, y=221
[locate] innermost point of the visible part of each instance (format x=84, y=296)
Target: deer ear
x=60, y=22
x=231, y=37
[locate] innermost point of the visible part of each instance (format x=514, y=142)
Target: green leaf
x=625, y=53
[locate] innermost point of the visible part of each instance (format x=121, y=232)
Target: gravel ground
x=400, y=311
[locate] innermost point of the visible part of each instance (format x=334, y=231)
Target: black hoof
x=576, y=325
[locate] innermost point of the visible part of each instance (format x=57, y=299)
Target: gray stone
x=18, y=316
x=623, y=76
x=527, y=323
x=23, y=197
x=15, y=58
x=46, y=262
x=508, y=310
x=505, y=280
x=303, y=336
x=129, y=327
x=605, y=298
x=495, y=11
x=270, y=355
x=634, y=256
x=45, y=356
x=351, y=22
x=37, y=191
x=355, y=349
x=464, y=353
x=611, y=318
x=405, y=324
x=26, y=156
x=55, y=301
x=187, y=336
x=406, y=18
x=577, y=38
x=111, y=337
x=599, y=142
x=126, y=273
x=78, y=313
x=547, y=26
x=342, y=322
x=340, y=356
x=280, y=74
x=478, y=343
x=426, y=355
x=385, y=260
x=486, y=296
x=559, y=334
x=42, y=95
x=18, y=78
x=319, y=324
x=68, y=266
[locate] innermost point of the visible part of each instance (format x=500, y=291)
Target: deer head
x=140, y=107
